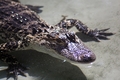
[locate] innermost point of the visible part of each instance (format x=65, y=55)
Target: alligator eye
x=71, y=37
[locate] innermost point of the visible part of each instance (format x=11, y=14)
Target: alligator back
x=16, y=19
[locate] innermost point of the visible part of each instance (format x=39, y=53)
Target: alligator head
x=70, y=46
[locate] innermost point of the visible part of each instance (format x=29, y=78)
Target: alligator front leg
x=14, y=67
x=97, y=34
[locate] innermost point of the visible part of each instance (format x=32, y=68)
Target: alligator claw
x=101, y=34
x=16, y=69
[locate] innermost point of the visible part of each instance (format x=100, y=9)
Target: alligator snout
x=78, y=52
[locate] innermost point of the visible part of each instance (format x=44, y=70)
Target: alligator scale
x=21, y=28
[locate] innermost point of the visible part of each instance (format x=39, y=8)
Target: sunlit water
x=94, y=13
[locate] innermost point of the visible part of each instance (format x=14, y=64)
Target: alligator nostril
x=88, y=57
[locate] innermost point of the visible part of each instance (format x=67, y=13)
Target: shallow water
x=94, y=13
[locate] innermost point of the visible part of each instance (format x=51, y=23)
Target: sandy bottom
x=94, y=13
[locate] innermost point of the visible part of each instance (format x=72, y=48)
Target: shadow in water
x=45, y=67
x=85, y=38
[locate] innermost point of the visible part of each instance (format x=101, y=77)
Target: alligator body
x=21, y=28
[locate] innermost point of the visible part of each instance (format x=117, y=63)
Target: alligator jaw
x=78, y=53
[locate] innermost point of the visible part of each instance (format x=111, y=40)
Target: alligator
x=21, y=28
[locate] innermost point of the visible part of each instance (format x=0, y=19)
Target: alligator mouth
x=78, y=52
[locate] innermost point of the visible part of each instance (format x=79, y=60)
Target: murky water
x=94, y=13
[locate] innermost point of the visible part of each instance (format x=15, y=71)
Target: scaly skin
x=22, y=28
